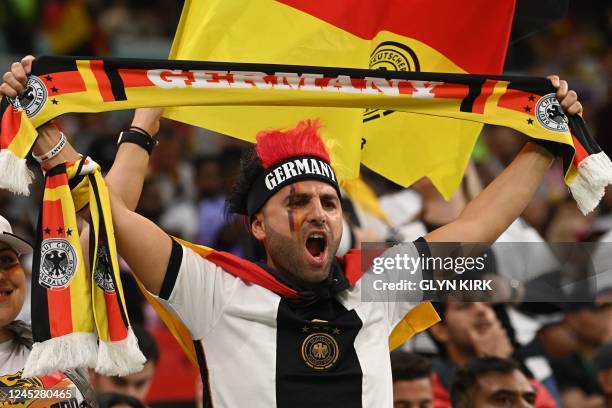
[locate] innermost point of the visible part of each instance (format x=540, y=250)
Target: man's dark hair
x=147, y=344
x=467, y=377
x=250, y=168
x=409, y=366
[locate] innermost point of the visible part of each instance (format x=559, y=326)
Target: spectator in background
x=470, y=330
x=134, y=385
x=172, y=173
x=575, y=373
x=211, y=204
x=603, y=369
x=492, y=382
x=412, y=386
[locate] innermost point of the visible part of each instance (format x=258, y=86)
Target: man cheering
x=290, y=331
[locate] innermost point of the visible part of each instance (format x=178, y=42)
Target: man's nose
x=316, y=213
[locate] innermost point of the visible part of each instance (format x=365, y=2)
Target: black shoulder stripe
x=174, y=265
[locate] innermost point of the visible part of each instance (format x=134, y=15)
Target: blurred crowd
x=505, y=352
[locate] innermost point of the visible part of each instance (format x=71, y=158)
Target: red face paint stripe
x=116, y=329
x=97, y=67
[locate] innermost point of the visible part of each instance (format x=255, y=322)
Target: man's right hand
x=16, y=79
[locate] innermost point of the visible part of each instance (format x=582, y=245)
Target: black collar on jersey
x=336, y=282
x=287, y=172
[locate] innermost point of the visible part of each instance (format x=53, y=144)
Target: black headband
x=286, y=172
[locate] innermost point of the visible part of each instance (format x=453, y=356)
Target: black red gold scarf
x=64, y=84
x=79, y=317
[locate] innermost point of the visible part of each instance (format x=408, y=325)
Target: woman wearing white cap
x=70, y=387
x=126, y=178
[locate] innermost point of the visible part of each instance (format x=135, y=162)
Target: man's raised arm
x=486, y=217
x=144, y=246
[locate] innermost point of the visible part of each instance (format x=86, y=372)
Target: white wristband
x=53, y=152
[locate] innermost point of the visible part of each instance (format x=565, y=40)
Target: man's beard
x=287, y=253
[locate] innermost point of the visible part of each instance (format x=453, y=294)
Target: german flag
x=393, y=35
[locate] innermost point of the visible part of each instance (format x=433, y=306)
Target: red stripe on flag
x=53, y=220
x=57, y=180
x=518, y=101
x=481, y=100
x=454, y=28
x=65, y=82
x=60, y=318
x=451, y=91
x=134, y=78
x=97, y=67
x=250, y=272
x=116, y=328
x=581, y=152
x=9, y=127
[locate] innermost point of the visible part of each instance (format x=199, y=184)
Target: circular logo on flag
x=103, y=273
x=320, y=351
x=33, y=97
x=391, y=56
x=58, y=263
x=550, y=114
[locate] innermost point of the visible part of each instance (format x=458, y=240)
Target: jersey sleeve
x=195, y=290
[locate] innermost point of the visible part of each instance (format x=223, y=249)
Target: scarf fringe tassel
x=120, y=357
x=16, y=177
x=594, y=174
x=62, y=353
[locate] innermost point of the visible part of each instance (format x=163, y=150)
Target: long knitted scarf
x=78, y=317
x=64, y=84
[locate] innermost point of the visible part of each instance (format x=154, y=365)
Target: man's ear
x=439, y=332
x=257, y=227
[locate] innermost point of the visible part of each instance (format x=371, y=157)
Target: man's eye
x=329, y=204
x=505, y=400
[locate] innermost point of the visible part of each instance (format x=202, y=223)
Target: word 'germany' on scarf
x=79, y=318
x=60, y=85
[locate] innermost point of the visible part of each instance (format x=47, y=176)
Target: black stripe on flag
x=475, y=88
x=116, y=82
x=41, y=330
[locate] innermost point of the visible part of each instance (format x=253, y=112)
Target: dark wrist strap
x=144, y=141
x=141, y=130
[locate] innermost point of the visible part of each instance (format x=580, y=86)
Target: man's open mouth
x=316, y=244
